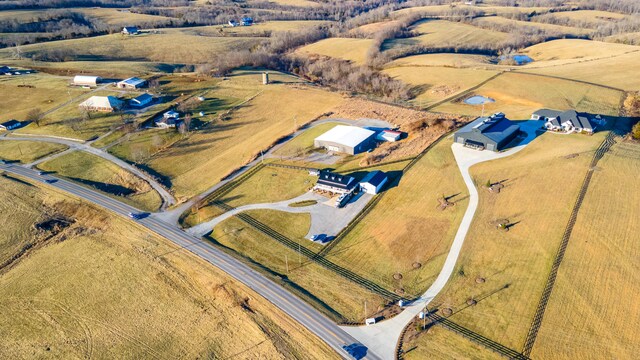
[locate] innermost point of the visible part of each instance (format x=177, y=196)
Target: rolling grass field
x=592, y=311
x=104, y=288
x=487, y=9
x=518, y=101
x=351, y=49
x=406, y=226
x=541, y=185
x=438, y=83
x=269, y=184
x=612, y=71
x=559, y=29
x=444, y=59
x=320, y=285
x=573, y=49
x=28, y=151
x=206, y=156
x=158, y=47
x=95, y=172
x=591, y=17
x=437, y=33
x=48, y=91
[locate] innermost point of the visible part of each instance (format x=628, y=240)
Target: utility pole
x=286, y=262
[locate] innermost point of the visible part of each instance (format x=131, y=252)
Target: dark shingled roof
x=577, y=119
x=339, y=181
x=496, y=127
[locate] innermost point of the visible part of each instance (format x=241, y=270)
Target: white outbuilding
x=86, y=80
x=102, y=103
x=347, y=139
x=373, y=182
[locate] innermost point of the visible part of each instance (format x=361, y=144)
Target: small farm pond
x=478, y=100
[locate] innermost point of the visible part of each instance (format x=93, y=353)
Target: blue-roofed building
x=246, y=21
x=132, y=83
x=373, y=182
x=141, y=101
x=491, y=133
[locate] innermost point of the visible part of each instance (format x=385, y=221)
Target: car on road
x=357, y=351
x=50, y=181
x=41, y=173
x=137, y=216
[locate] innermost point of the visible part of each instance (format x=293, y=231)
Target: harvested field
x=553, y=52
x=584, y=318
x=517, y=24
x=592, y=18
x=515, y=264
x=86, y=292
x=518, y=102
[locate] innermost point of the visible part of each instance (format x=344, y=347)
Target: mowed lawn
x=438, y=83
x=159, y=46
x=206, y=156
x=593, y=311
x=541, y=184
x=27, y=151
x=338, y=297
x=447, y=33
x=269, y=184
x=407, y=228
x=518, y=95
x=103, y=175
x=354, y=50
x=104, y=288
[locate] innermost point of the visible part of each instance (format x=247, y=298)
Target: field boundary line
x=567, y=79
x=532, y=334
x=463, y=93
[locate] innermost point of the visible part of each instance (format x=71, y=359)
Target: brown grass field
x=441, y=343
x=444, y=59
x=158, y=46
x=339, y=295
x=93, y=171
x=593, y=17
x=405, y=228
x=518, y=101
x=593, y=312
x=86, y=292
x=351, y=49
x=438, y=83
x=488, y=9
x=559, y=29
x=447, y=33
x=204, y=157
x=515, y=264
x=557, y=52
x=28, y=151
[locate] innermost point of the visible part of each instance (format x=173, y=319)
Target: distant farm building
x=130, y=30
x=5, y=69
x=10, y=125
x=374, y=182
x=246, y=21
x=347, y=139
x=102, y=103
x=86, y=80
x=233, y=23
x=132, y=83
x=335, y=183
x=169, y=119
x=491, y=133
x=568, y=121
x=389, y=135
x=141, y=101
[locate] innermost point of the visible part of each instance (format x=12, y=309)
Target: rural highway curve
x=306, y=315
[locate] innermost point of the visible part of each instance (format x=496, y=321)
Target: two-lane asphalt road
x=317, y=323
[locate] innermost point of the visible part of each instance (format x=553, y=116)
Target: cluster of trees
x=56, y=4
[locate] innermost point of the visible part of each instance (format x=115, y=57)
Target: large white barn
x=86, y=80
x=347, y=139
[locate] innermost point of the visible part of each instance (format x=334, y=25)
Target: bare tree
x=35, y=116
x=187, y=122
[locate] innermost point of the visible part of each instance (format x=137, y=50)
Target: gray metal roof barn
x=492, y=133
